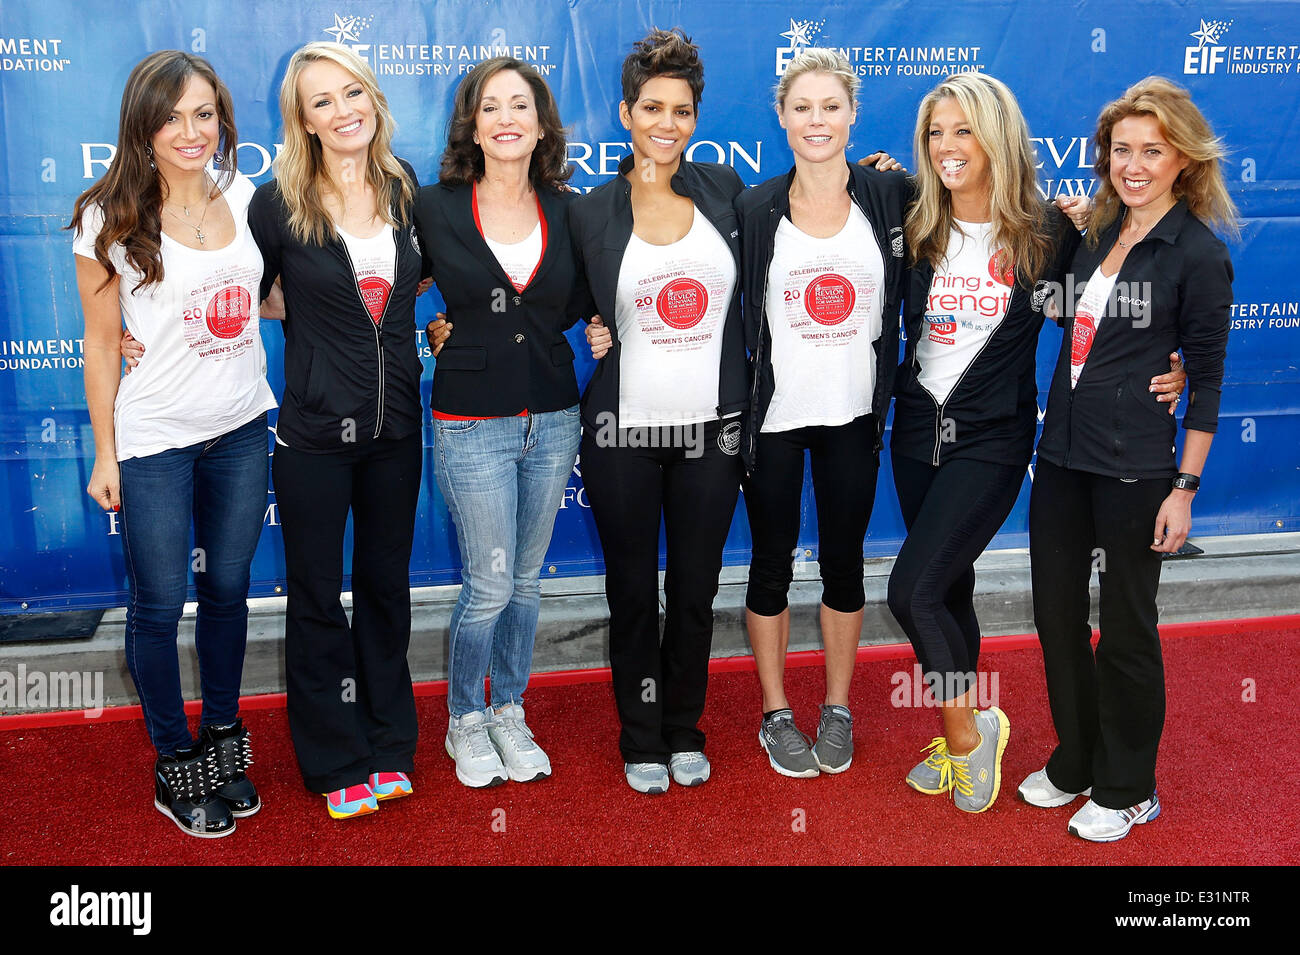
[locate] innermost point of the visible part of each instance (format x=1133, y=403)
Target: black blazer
x=347, y=381
x=1174, y=291
x=508, y=351
x=602, y=227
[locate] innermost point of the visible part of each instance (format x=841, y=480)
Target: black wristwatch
x=1188, y=482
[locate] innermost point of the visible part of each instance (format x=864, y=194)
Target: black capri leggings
x=844, y=470
x=952, y=512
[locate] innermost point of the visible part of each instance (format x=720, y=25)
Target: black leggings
x=844, y=467
x=952, y=512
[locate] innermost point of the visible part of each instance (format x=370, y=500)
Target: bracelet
x=1187, y=482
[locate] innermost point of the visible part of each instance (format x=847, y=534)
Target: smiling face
x=506, y=126
x=817, y=116
x=661, y=120
x=190, y=134
x=956, y=155
x=1143, y=166
x=336, y=108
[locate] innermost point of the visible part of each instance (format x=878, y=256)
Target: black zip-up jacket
x=1174, y=291
x=509, y=351
x=347, y=380
x=882, y=197
x=601, y=226
x=992, y=412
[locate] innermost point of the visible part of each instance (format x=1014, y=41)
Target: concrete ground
x=1242, y=576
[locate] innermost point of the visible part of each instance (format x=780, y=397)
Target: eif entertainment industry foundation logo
x=1210, y=56
x=393, y=56
x=32, y=54
x=879, y=61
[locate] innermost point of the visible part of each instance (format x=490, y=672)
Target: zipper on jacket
x=965, y=371
x=378, y=326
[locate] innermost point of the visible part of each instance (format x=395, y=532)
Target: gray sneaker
x=787, y=749
x=834, y=747
x=689, y=769
x=977, y=776
x=931, y=776
x=650, y=778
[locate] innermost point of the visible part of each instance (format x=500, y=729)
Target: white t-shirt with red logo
x=1087, y=319
x=968, y=300
x=824, y=312
x=670, y=307
x=203, y=373
x=374, y=262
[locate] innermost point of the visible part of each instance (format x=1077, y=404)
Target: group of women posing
x=763, y=322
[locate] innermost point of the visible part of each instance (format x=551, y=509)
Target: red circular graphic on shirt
x=374, y=292
x=829, y=299
x=682, y=303
x=1084, y=331
x=1002, y=268
x=229, y=311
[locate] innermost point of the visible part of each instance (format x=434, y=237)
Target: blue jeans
x=221, y=485
x=503, y=480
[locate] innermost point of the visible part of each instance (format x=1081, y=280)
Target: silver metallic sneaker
x=689, y=769
x=1099, y=824
x=477, y=762
x=931, y=776
x=650, y=778
x=834, y=747
x=523, y=759
x=1037, y=790
x=977, y=776
x=788, y=750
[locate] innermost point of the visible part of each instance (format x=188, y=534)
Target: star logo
x=345, y=29
x=802, y=32
x=1210, y=32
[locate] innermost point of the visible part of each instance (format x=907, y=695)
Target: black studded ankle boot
x=184, y=791
x=230, y=748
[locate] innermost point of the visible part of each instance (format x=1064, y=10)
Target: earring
x=218, y=159
x=148, y=154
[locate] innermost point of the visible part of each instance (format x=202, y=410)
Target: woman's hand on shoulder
x=1169, y=386
x=883, y=161
x=1076, y=208
x=437, y=331
x=598, y=337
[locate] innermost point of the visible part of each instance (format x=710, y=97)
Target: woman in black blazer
x=505, y=399
x=1106, y=461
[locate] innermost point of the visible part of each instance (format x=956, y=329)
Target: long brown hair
x=462, y=160
x=132, y=191
x=300, y=170
x=1018, y=213
x=1188, y=131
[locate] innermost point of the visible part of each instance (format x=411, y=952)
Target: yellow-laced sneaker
x=977, y=776
x=929, y=775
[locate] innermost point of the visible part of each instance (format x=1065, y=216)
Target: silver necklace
x=198, y=229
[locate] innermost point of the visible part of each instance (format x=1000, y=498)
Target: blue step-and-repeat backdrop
x=63, y=64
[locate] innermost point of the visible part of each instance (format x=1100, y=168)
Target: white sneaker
x=1099, y=824
x=651, y=778
x=477, y=762
x=1037, y=790
x=523, y=759
x=689, y=769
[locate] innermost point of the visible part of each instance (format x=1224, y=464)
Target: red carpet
x=1223, y=786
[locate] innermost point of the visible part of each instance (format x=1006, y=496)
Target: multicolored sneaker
x=390, y=785
x=1099, y=824
x=351, y=801
x=931, y=776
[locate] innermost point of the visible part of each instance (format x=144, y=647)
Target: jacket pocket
x=562, y=353
x=461, y=358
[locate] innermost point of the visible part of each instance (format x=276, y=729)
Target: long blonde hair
x=1019, y=227
x=1188, y=131
x=300, y=168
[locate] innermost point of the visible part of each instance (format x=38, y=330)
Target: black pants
x=1109, y=710
x=351, y=707
x=844, y=468
x=951, y=512
x=660, y=687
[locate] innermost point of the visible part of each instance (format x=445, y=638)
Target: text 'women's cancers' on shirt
x=824, y=312
x=670, y=307
x=373, y=261
x=203, y=373
x=968, y=300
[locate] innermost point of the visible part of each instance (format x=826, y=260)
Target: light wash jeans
x=503, y=480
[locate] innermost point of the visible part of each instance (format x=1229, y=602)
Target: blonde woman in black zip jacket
x=335, y=227
x=824, y=275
